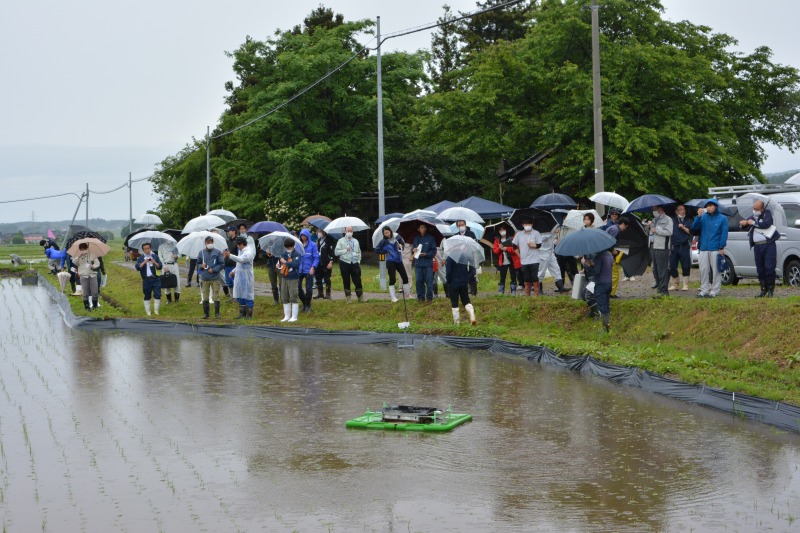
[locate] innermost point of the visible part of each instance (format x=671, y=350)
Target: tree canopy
x=682, y=111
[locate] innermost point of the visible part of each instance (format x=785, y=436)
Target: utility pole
x=381, y=196
x=87, y=205
x=599, y=173
x=208, y=169
x=130, y=204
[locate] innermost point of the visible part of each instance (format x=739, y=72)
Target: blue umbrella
x=585, y=242
x=554, y=200
x=697, y=203
x=646, y=202
x=321, y=223
x=386, y=217
x=267, y=226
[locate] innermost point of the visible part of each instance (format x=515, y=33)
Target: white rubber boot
x=685, y=284
x=287, y=312
x=295, y=312
x=674, y=285
x=147, y=307
x=156, y=306
x=471, y=312
x=392, y=294
x=456, y=316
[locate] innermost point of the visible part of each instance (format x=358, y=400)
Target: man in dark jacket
x=464, y=230
x=209, y=265
x=148, y=266
x=763, y=235
x=424, y=254
x=230, y=264
x=680, y=249
x=325, y=245
x=458, y=277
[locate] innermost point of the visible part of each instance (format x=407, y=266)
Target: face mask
x=209, y=246
x=462, y=230
x=527, y=228
x=756, y=213
x=655, y=213
x=349, y=234
x=502, y=233
x=243, y=232
x=319, y=235
x=289, y=250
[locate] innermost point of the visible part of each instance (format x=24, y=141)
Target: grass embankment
x=743, y=345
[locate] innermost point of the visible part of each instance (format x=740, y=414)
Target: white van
x=738, y=252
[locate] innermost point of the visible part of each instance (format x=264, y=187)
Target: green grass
x=737, y=344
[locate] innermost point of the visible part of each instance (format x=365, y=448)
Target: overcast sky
x=93, y=90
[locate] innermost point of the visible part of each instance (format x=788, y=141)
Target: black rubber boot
x=86, y=303
x=225, y=290
x=242, y=312
x=328, y=293
x=216, y=309
x=177, y=297
x=169, y=298
x=473, y=287
x=560, y=286
x=607, y=322
x=205, y=309
x=248, y=312
x=319, y=293
x=763, y=289
x=275, y=296
x=770, y=288
x=593, y=311
x=360, y=295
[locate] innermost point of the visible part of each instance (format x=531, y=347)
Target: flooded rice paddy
x=131, y=432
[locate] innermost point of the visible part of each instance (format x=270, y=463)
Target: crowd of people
x=523, y=258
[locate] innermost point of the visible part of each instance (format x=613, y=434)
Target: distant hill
x=97, y=224
x=780, y=177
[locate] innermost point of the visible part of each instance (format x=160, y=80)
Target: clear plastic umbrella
x=274, y=242
x=463, y=250
x=745, y=203
x=195, y=242
x=453, y=214
x=417, y=213
x=574, y=219
x=611, y=199
x=155, y=238
x=476, y=228
x=203, y=223
x=148, y=219
x=224, y=214
x=377, y=235
x=338, y=225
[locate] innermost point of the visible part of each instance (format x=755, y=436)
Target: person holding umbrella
x=458, y=275
x=507, y=258
x=230, y=264
x=148, y=265
x=210, y=264
x=424, y=254
x=527, y=243
x=168, y=253
x=763, y=235
x=325, y=246
x=307, y=268
x=243, y=277
x=290, y=263
x=464, y=230
x=348, y=250
x=88, y=265
x=392, y=247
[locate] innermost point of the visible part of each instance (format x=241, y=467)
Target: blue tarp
x=441, y=206
x=486, y=208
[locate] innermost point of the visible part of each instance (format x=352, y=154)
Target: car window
x=792, y=213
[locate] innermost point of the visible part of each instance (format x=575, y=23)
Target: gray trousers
x=661, y=270
x=89, y=287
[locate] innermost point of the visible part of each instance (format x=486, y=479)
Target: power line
x=41, y=198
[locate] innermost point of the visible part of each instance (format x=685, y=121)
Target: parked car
x=738, y=252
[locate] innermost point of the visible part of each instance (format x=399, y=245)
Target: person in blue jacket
x=712, y=226
x=308, y=266
x=392, y=247
x=424, y=254
x=148, y=266
x=763, y=235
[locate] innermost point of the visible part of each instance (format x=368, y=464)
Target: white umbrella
x=155, y=238
x=148, y=219
x=63, y=279
x=338, y=225
x=453, y=214
x=476, y=228
x=224, y=214
x=574, y=218
x=203, y=223
x=377, y=235
x=195, y=242
x=273, y=243
x=464, y=250
x=611, y=199
x=420, y=213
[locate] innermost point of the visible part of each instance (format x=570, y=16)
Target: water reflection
x=190, y=432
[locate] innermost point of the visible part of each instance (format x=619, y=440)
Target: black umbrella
x=585, y=242
x=134, y=233
x=493, y=231
x=543, y=221
x=235, y=223
x=174, y=233
x=554, y=200
x=408, y=229
x=636, y=240
x=84, y=234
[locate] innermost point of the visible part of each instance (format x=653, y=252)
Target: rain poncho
x=244, y=279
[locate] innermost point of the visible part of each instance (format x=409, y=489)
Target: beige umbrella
x=96, y=247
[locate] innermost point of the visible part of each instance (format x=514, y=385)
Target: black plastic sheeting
x=782, y=415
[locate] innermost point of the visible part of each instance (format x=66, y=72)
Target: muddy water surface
x=133, y=432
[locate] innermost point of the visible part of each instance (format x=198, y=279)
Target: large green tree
x=681, y=110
